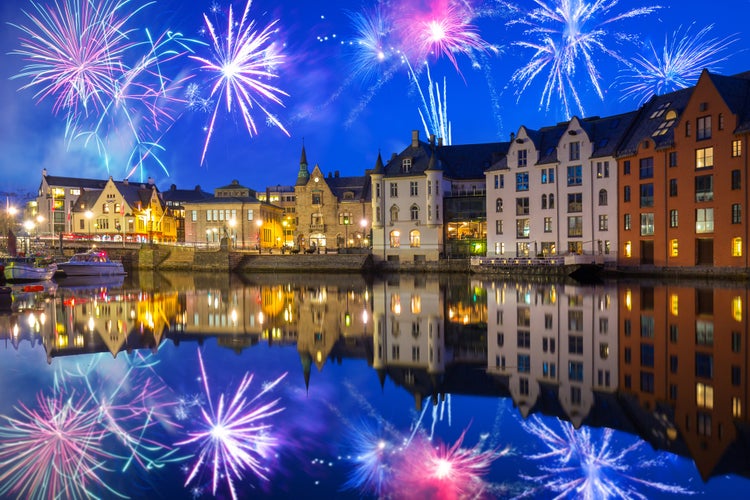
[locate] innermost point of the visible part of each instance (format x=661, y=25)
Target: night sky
x=346, y=101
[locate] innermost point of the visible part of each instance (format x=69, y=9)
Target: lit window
x=675, y=304
x=737, y=309
x=628, y=249
x=736, y=247
x=395, y=239
x=674, y=248
x=704, y=158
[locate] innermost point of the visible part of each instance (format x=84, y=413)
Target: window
x=575, y=175
x=704, y=220
x=415, y=239
x=524, y=363
x=522, y=228
x=703, y=128
x=704, y=188
x=575, y=202
x=499, y=205
x=575, y=226
x=736, y=148
x=626, y=167
x=672, y=158
x=552, y=201
x=602, y=169
x=377, y=191
x=394, y=190
x=626, y=222
x=626, y=193
x=736, y=179
x=575, y=151
x=673, y=218
x=316, y=198
x=602, y=197
x=721, y=121
x=647, y=224
x=736, y=213
x=523, y=339
x=544, y=201
x=704, y=158
x=575, y=371
x=704, y=395
x=548, y=224
x=194, y=215
x=522, y=156
x=688, y=129
x=395, y=239
x=674, y=248
x=737, y=247
x=647, y=195
x=672, y=187
x=394, y=213
x=603, y=223
x=413, y=188
x=575, y=344
x=522, y=181
x=646, y=170
x=522, y=206
x=406, y=165
x=499, y=182
x=647, y=355
x=498, y=227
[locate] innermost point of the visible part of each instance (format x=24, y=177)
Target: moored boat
x=28, y=269
x=91, y=263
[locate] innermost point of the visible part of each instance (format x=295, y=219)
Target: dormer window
x=522, y=157
x=660, y=110
x=406, y=165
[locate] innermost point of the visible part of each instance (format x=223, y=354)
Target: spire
x=379, y=169
x=304, y=175
x=306, y=360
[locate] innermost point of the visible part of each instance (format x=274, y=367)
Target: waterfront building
x=236, y=215
x=555, y=191
x=409, y=199
x=122, y=211
x=284, y=197
x=683, y=172
x=332, y=211
x=175, y=199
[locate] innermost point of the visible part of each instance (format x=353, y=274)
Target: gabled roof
x=735, y=90
x=648, y=119
x=175, y=195
x=606, y=133
x=133, y=194
x=359, y=186
x=73, y=182
x=546, y=141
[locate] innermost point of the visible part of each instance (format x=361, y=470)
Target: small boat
x=91, y=263
x=28, y=269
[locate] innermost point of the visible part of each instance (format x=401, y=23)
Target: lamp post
x=232, y=225
x=89, y=215
x=29, y=226
x=259, y=223
x=363, y=225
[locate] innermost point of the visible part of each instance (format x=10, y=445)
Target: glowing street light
x=89, y=215
x=259, y=223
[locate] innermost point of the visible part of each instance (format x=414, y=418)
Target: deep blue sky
x=343, y=120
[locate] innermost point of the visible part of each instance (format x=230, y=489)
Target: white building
x=555, y=192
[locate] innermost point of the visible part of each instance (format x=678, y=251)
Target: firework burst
x=565, y=37
x=243, y=61
x=578, y=465
x=681, y=62
x=53, y=452
x=234, y=436
x=435, y=114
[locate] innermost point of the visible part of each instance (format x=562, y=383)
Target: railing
x=556, y=260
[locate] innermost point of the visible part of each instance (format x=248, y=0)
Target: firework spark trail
x=234, y=436
x=53, y=452
x=681, y=62
x=243, y=59
x=436, y=121
x=565, y=37
x=576, y=464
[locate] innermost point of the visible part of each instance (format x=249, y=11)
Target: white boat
x=91, y=263
x=28, y=269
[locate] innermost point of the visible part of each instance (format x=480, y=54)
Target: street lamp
x=259, y=223
x=29, y=226
x=232, y=225
x=363, y=224
x=89, y=215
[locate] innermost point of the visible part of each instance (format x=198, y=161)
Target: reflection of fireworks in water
x=584, y=467
x=373, y=458
x=681, y=62
x=244, y=58
x=234, y=436
x=566, y=35
x=53, y=452
x=80, y=53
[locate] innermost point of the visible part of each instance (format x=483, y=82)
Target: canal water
x=337, y=386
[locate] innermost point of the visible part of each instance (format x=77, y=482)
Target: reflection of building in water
x=552, y=339
x=114, y=321
x=684, y=359
x=32, y=317
x=327, y=316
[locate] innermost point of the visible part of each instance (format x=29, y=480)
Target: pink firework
x=244, y=60
x=53, y=452
x=234, y=436
x=444, y=472
x=443, y=28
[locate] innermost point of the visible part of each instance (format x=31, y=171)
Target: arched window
x=603, y=197
x=394, y=213
x=499, y=205
x=395, y=239
x=414, y=210
x=544, y=201
x=552, y=201
x=415, y=240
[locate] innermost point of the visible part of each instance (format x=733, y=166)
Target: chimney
x=440, y=142
x=512, y=136
x=44, y=172
x=151, y=181
x=432, y=139
x=125, y=181
x=415, y=138
x=336, y=174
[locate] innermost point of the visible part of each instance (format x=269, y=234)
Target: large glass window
x=575, y=175
x=522, y=206
x=647, y=224
x=704, y=158
x=704, y=220
x=647, y=195
x=415, y=240
x=522, y=228
x=522, y=157
x=575, y=151
x=646, y=168
x=575, y=226
x=704, y=188
x=522, y=181
x=575, y=202
x=395, y=239
x=703, y=128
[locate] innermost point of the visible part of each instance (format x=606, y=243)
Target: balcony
x=318, y=228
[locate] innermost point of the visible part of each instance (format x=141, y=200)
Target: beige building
x=332, y=211
x=234, y=212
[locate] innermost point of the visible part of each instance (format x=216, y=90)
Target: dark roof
x=359, y=185
x=606, y=133
x=546, y=140
x=57, y=180
x=228, y=199
x=133, y=194
x=175, y=195
x=649, y=117
x=735, y=90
